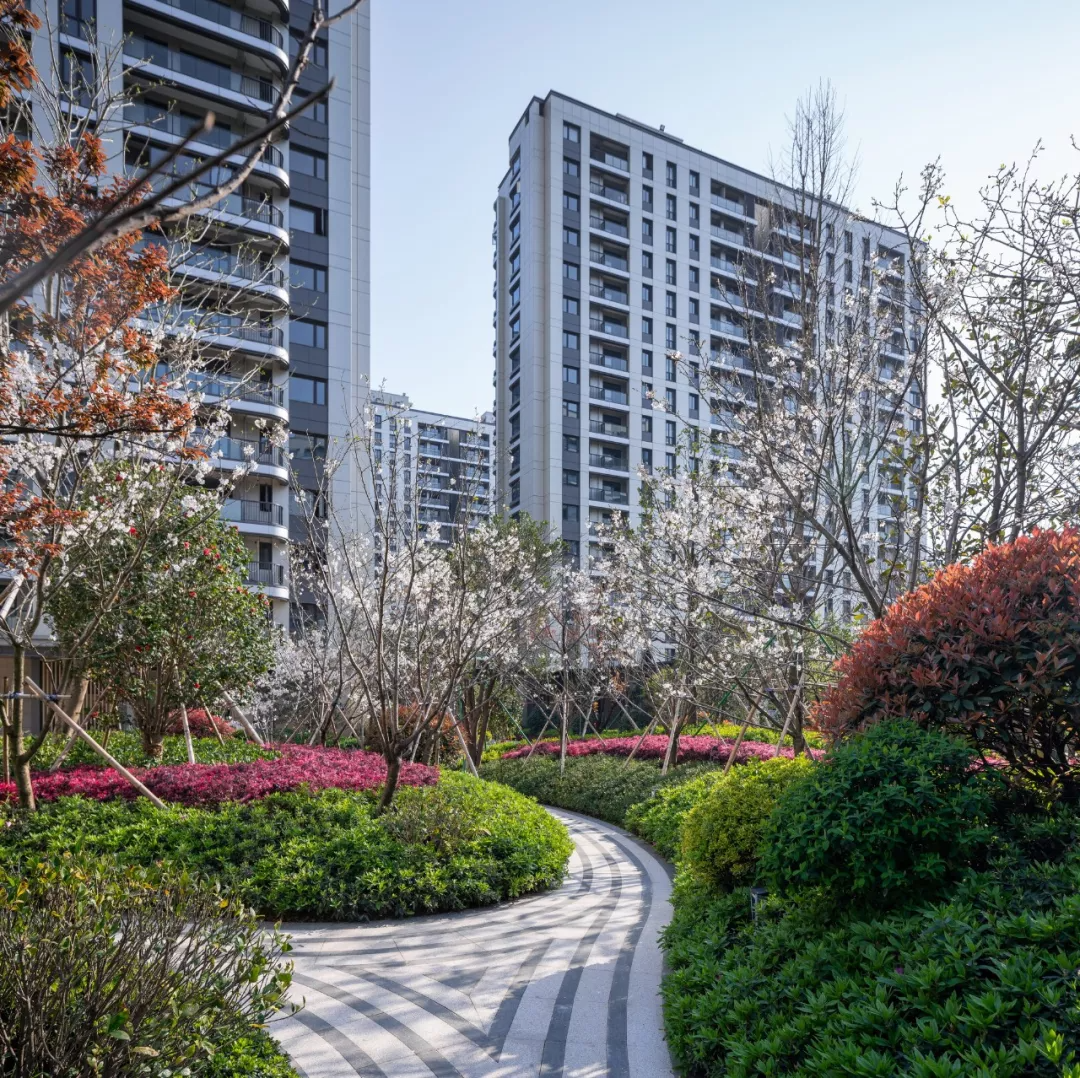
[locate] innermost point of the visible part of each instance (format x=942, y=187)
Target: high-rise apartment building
x=285, y=260
x=439, y=468
x=615, y=243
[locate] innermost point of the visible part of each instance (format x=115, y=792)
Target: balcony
x=609, y=495
x=219, y=263
x=611, y=430
x=612, y=160
x=613, y=194
x=606, y=460
x=890, y=293
x=236, y=389
x=248, y=511
x=726, y=295
x=607, y=258
x=612, y=295
x=726, y=235
x=169, y=123
x=605, y=359
x=223, y=15
x=728, y=204
x=249, y=449
x=609, y=396
x=216, y=76
x=257, y=210
x=612, y=228
x=264, y=575
x=605, y=325
x=732, y=329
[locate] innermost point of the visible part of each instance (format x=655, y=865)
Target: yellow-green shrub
x=722, y=834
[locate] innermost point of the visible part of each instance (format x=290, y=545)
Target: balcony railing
x=220, y=138
x=264, y=575
x=726, y=296
x=614, y=228
x=612, y=160
x=236, y=389
x=726, y=235
x=603, y=460
x=255, y=209
x=243, y=449
x=248, y=511
x=604, y=325
x=732, y=329
x=612, y=430
x=606, y=258
x=612, y=193
x=195, y=67
x=728, y=204
x=606, y=494
x=605, y=292
x=224, y=15
x=227, y=264
x=613, y=363
x=612, y=396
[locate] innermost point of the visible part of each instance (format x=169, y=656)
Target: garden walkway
x=560, y=985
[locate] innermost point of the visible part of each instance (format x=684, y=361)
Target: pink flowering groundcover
x=213, y=784
x=697, y=749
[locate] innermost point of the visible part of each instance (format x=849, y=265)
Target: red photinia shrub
x=991, y=649
x=691, y=749
x=200, y=723
x=212, y=784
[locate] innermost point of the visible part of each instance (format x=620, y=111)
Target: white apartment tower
x=287, y=257
x=616, y=242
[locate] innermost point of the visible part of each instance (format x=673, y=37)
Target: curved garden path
x=561, y=985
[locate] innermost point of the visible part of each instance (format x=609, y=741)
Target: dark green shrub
x=127, y=748
x=257, y=1056
x=658, y=819
x=891, y=813
x=111, y=970
x=327, y=855
x=969, y=986
x=721, y=835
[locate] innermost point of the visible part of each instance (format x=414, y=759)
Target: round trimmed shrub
x=659, y=818
x=896, y=811
x=721, y=836
x=991, y=650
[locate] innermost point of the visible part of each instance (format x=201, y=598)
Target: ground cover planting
x=701, y=748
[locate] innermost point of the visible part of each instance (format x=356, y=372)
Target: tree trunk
x=187, y=733
x=153, y=744
x=671, y=753
x=393, y=771
x=20, y=766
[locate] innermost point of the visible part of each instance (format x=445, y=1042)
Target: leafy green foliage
x=111, y=970
x=721, y=835
x=971, y=985
x=459, y=844
x=658, y=819
x=256, y=1056
x=128, y=749
x=892, y=813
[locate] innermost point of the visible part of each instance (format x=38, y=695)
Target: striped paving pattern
x=559, y=985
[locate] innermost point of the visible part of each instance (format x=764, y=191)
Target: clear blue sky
x=976, y=83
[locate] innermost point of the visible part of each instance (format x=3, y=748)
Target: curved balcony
x=225, y=23
x=256, y=517
x=225, y=268
x=263, y=398
x=268, y=578
x=173, y=128
x=243, y=89
x=227, y=331
x=268, y=459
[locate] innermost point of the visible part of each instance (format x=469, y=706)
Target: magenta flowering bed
x=213, y=784
x=697, y=749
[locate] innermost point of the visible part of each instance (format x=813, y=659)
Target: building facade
x=616, y=243
x=284, y=262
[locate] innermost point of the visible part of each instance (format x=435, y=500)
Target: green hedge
x=127, y=748
x=256, y=1056
x=658, y=819
x=327, y=856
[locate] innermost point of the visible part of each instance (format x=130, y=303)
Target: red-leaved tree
x=990, y=650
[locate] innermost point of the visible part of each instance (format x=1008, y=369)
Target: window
x=847, y=243
x=306, y=163
x=646, y=231
x=670, y=369
x=646, y=394
x=669, y=426
x=646, y=165
x=304, y=446
x=571, y=443
x=646, y=361
x=669, y=241
x=573, y=549
x=646, y=197
x=308, y=332
x=669, y=461
x=866, y=248
x=695, y=310
x=515, y=163
x=695, y=182
x=307, y=275
x=515, y=295
x=670, y=272
x=570, y=374
x=669, y=338
x=307, y=218
x=571, y=478
x=695, y=247
x=571, y=409
x=515, y=263
x=646, y=428
x=317, y=112
x=670, y=305
x=318, y=53
x=571, y=167
x=830, y=263
x=693, y=402
x=571, y=513
x=695, y=215
x=695, y=278
x=570, y=305
x=305, y=390
x=646, y=328
x=571, y=237
x=672, y=174
x=847, y=272
x=571, y=203
x=571, y=132
x=671, y=209
x=646, y=295
x=515, y=328
x=571, y=271
x=515, y=230
x=646, y=263
x=646, y=459
x=570, y=340
x=515, y=427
